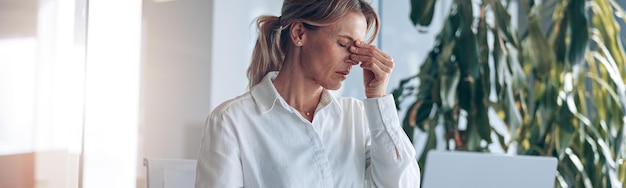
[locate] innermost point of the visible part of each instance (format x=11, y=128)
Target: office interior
x=91, y=88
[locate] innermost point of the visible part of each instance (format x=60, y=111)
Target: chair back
x=170, y=173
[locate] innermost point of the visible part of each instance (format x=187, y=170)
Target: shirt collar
x=266, y=95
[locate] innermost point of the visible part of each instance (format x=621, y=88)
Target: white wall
x=175, y=84
x=234, y=33
x=400, y=39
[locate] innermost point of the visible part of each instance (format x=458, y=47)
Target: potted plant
x=557, y=91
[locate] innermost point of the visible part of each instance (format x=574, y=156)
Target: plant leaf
x=565, y=133
x=537, y=49
x=579, y=166
x=559, y=32
x=422, y=12
x=579, y=32
x=449, y=77
x=603, y=20
x=449, y=82
x=503, y=21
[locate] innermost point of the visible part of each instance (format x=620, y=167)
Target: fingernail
x=353, y=48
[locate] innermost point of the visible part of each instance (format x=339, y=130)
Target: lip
x=344, y=74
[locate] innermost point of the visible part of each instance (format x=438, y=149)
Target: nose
x=351, y=61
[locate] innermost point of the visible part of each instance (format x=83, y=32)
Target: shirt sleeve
x=219, y=164
x=390, y=156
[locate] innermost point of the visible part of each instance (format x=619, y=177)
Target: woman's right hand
x=377, y=67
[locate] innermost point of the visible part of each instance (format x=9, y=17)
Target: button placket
x=320, y=156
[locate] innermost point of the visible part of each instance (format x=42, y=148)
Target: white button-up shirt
x=258, y=140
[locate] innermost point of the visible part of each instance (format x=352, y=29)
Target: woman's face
x=325, y=56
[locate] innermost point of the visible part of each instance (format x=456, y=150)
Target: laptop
x=451, y=169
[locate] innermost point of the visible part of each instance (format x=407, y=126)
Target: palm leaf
x=559, y=94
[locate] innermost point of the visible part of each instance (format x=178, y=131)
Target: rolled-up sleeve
x=390, y=155
x=219, y=164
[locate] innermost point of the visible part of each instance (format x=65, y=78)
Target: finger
x=373, y=51
x=368, y=58
x=362, y=44
x=379, y=70
x=361, y=50
x=368, y=48
x=384, y=60
x=389, y=62
x=383, y=57
x=385, y=67
x=360, y=47
x=361, y=58
x=378, y=75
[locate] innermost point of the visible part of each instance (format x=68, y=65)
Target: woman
x=288, y=131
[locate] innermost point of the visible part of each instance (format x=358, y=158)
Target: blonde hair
x=272, y=43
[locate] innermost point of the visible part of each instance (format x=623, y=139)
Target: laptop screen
x=485, y=170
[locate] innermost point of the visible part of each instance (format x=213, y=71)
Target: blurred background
x=89, y=88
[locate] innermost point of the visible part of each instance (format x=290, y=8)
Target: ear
x=297, y=33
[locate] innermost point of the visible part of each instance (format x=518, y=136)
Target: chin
x=332, y=86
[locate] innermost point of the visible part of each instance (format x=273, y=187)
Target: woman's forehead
x=352, y=25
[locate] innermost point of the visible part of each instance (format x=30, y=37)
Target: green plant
x=559, y=93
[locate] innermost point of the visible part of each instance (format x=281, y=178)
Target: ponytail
x=267, y=55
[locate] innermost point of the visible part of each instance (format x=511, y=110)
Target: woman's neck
x=300, y=92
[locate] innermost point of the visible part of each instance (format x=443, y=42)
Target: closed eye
x=343, y=45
